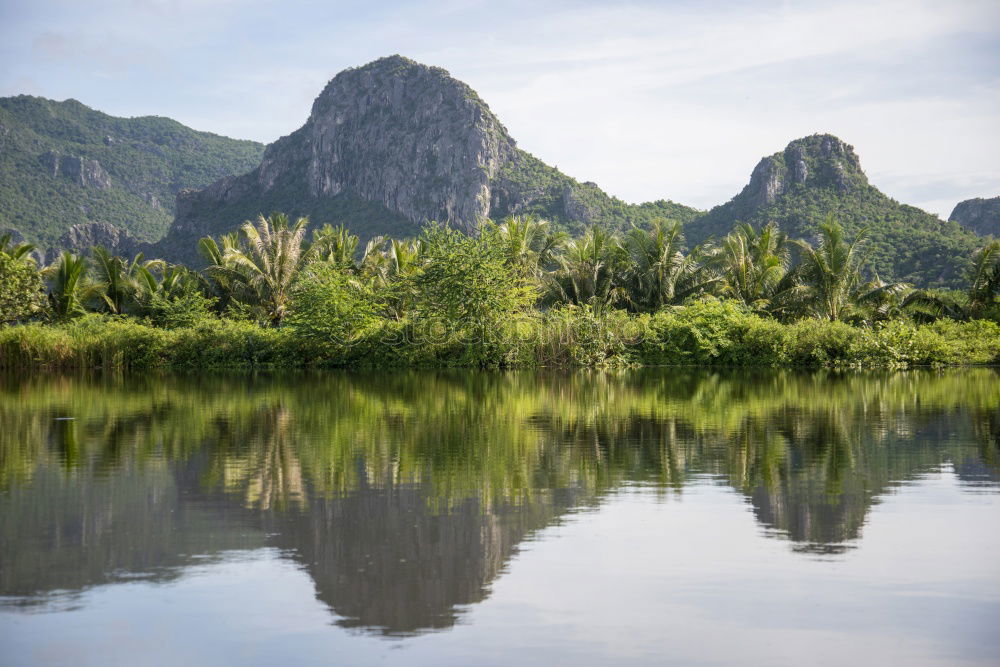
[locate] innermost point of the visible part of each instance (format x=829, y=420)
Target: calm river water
x=642, y=517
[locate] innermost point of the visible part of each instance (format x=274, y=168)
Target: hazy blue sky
x=649, y=99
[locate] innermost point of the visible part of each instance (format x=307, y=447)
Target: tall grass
x=705, y=333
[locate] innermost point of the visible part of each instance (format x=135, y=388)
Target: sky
x=651, y=100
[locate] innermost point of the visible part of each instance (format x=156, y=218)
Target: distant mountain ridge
x=67, y=170
x=391, y=145
x=820, y=175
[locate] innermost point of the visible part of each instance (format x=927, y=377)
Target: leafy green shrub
x=117, y=343
x=226, y=343
x=973, y=342
x=580, y=336
x=815, y=342
x=705, y=332
x=21, y=293
x=183, y=310
x=330, y=314
x=466, y=284
x=35, y=346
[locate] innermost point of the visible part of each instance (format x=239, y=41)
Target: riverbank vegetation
x=518, y=294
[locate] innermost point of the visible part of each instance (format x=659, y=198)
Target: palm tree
x=984, y=279
x=337, y=246
x=984, y=286
x=830, y=272
x=221, y=280
x=164, y=281
x=386, y=267
x=754, y=266
x=659, y=273
x=14, y=251
x=528, y=242
x=373, y=262
x=588, y=269
x=118, y=279
x=260, y=271
x=69, y=287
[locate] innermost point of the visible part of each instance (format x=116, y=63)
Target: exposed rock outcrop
x=979, y=215
x=821, y=159
x=81, y=238
x=85, y=173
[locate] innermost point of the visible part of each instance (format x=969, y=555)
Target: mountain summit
x=391, y=145
x=820, y=175
x=393, y=133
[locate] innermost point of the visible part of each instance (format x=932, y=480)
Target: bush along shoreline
x=516, y=295
x=705, y=333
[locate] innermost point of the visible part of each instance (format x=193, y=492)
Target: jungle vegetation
x=518, y=293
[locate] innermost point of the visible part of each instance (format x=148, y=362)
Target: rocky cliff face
x=395, y=133
x=981, y=216
x=389, y=146
x=81, y=238
x=85, y=173
x=820, y=160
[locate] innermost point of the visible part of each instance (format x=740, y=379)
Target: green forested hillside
x=817, y=176
x=528, y=185
x=49, y=180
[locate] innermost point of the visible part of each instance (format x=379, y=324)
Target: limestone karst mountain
x=391, y=145
x=820, y=175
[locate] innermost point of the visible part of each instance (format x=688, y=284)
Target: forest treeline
x=518, y=293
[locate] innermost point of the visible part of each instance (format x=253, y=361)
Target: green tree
x=18, y=251
x=588, y=271
x=980, y=298
x=118, y=279
x=21, y=289
x=754, y=266
x=388, y=268
x=528, y=242
x=171, y=296
x=336, y=246
x=259, y=272
x=830, y=274
x=329, y=307
x=222, y=281
x=658, y=272
x=69, y=286
x=984, y=280
x=465, y=283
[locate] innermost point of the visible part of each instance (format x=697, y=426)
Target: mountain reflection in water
x=404, y=495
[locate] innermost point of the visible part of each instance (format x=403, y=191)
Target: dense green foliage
x=516, y=294
x=708, y=333
x=531, y=187
x=466, y=283
x=147, y=159
x=21, y=291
